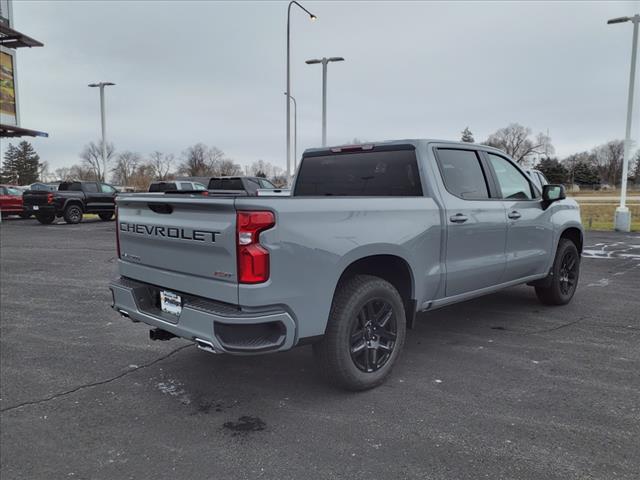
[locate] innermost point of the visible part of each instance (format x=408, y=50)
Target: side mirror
x=553, y=193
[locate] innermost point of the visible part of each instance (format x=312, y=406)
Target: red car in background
x=11, y=201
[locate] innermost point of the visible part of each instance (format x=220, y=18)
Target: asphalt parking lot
x=500, y=387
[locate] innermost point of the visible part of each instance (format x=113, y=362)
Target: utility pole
x=101, y=85
x=622, y=221
x=324, y=61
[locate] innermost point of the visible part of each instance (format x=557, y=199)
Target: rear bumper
x=44, y=209
x=214, y=326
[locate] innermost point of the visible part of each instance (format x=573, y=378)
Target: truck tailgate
x=36, y=197
x=180, y=242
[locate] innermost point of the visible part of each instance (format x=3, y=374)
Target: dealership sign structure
x=10, y=40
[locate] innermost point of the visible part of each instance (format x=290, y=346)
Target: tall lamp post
x=324, y=61
x=101, y=86
x=623, y=215
x=295, y=131
x=288, y=92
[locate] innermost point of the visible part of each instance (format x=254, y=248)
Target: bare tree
x=125, y=168
x=75, y=172
x=161, y=164
x=201, y=161
x=263, y=169
x=63, y=173
x=43, y=169
x=514, y=141
x=228, y=168
x=143, y=175
x=607, y=160
x=91, y=156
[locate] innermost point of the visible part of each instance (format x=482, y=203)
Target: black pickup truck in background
x=71, y=201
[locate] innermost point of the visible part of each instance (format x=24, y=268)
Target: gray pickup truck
x=371, y=235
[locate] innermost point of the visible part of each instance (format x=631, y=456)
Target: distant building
x=10, y=40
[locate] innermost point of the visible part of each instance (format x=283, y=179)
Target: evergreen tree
x=467, y=136
x=27, y=164
x=585, y=174
x=553, y=170
x=9, y=166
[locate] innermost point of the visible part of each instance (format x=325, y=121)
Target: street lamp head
x=101, y=84
x=618, y=20
x=313, y=61
x=313, y=17
x=336, y=59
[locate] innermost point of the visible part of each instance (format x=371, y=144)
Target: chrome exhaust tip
x=205, y=345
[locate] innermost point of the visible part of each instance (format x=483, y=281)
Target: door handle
x=514, y=215
x=458, y=218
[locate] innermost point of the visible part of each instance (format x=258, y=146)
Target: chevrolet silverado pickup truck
x=71, y=200
x=371, y=235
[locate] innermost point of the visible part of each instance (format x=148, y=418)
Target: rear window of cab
x=360, y=174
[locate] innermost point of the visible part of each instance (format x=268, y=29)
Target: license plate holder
x=170, y=303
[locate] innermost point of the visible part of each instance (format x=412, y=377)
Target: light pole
x=288, y=92
x=295, y=131
x=101, y=85
x=324, y=61
x=622, y=221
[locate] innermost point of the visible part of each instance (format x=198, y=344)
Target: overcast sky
x=214, y=72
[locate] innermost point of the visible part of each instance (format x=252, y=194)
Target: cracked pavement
x=498, y=387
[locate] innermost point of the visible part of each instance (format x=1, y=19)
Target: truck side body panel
x=316, y=239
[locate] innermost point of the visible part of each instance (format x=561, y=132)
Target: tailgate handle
x=160, y=207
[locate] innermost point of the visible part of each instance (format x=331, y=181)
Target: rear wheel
x=45, y=218
x=364, y=335
x=106, y=216
x=73, y=214
x=564, y=275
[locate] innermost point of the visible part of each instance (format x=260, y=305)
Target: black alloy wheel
x=568, y=274
x=373, y=335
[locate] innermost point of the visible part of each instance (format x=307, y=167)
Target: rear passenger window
x=91, y=187
x=186, y=186
x=513, y=183
x=462, y=174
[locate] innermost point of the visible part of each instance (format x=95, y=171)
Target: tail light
x=49, y=198
x=117, y=233
x=253, y=258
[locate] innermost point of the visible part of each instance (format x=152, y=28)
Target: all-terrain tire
x=340, y=353
x=564, y=275
x=73, y=213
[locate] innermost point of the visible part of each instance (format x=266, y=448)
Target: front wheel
x=365, y=333
x=45, y=218
x=564, y=276
x=106, y=216
x=73, y=214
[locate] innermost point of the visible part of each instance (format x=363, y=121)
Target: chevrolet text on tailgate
x=370, y=236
